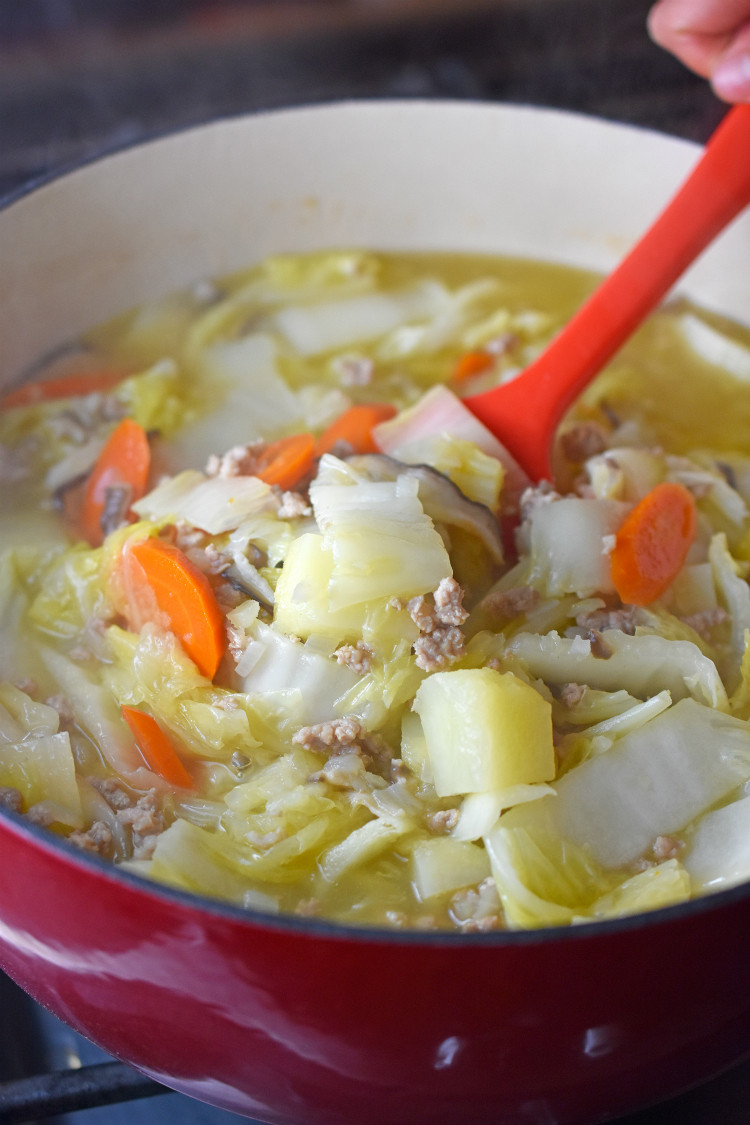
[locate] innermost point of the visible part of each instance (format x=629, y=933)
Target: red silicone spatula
x=524, y=412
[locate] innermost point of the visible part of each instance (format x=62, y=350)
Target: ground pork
x=346, y=736
x=354, y=370
x=438, y=618
x=477, y=909
x=11, y=798
x=536, y=497
x=706, y=621
x=442, y=646
x=239, y=461
x=665, y=847
x=584, y=440
x=343, y=771
x=571, y=694
x=60, y=704
x=116, y=796
x=625, y=619
x=504, y=605
x=335, y=736
x=358, y=658
x=97, y=840
x=30, y=687
x=293, y=505
x=443, y=821
x=599, y=647
x=448, y=599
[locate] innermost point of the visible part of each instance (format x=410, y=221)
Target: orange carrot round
x=471, y=363
x=183, y=593
x=354, y=428
x=124, y=462
x=63, y=386
x=653, y=542
x=286, y=461
x=156, y=748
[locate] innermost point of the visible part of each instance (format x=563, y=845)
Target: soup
x=274, y=632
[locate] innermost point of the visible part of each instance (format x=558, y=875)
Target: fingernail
x=731, y=79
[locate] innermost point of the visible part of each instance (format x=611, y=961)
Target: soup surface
x=282, y=625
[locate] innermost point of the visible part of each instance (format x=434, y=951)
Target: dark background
x=79, y=78
x=82, y=77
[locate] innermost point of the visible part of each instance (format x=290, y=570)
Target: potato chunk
x=485, y=730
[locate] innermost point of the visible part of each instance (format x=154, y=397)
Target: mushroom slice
x=441, y=499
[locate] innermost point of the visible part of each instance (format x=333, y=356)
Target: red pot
x=292, y=1020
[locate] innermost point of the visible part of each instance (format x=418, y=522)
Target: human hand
x=712, y=37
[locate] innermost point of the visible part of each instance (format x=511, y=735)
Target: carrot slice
x=354, y=428
x=653, y=542
x=64, y=386
x=124, y=462
x=158, y=752
x=472, y=363
x=183, y=593
x=285, y=462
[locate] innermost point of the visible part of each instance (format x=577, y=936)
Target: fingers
x=712, y=37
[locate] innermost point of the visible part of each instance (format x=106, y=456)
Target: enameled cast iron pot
x=293, y=1020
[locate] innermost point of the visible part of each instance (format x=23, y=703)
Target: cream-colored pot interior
x=443, y=176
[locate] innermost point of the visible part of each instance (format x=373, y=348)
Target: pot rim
x=74, y=165
x=254, y=918
x=293, y=924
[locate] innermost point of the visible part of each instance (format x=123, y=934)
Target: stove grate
x=62, y=1091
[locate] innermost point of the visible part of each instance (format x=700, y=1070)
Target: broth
x=371, y=615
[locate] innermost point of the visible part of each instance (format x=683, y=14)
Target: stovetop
x=79, y=78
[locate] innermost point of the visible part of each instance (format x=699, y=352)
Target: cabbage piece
x=301, y=602
x=35, y=757
x=383, y=545
x=196, y=859
x=441, y=412
x=568, y=542
x=485, y=731
x=249, y=400
x=719, y=847
x=272, y=781
x=453, y=311
x=625, y=473
x=702, y=475
x=633, y=718
x=152, y=668
x=214, y=504
x=642, y=665
x=479, y=811
x=20, y=715
x=543, y=880
x=71, y=593
x=593, y=707
x=734, y=593
x=662, y=885
x=414, y=753
x=326, y=325
x=653, y=782
x=363, y=844
x=158, y=398
x=479, y=476
x=716, y=347
x=43, y=769
x=285, y=277
x=97, y=713
x=272, y=662
x=443, y=865
x=17, y=653
x=693, y=589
